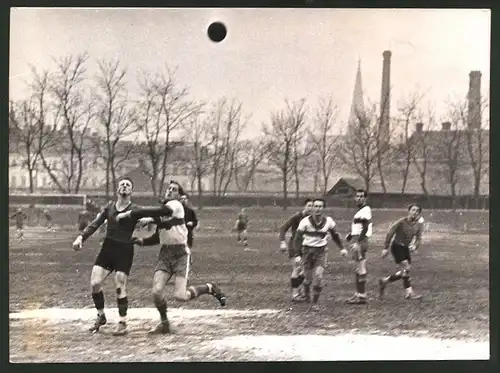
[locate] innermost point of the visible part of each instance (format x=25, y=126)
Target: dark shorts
x=313, y=257
x=400, y=253
x=292, y=251
x=240, y=227
x=115, y=256
x=174, y=260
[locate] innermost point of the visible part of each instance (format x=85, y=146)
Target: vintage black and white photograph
x=253, y=184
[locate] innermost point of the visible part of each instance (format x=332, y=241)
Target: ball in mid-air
x=217, y=32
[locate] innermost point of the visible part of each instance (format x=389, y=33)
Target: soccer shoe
x=381, y=287
x=161, y=328
x=356, y=300
x=121, y=329
x=296, y=298
x=99, y=321
x=413, y=296
x=218, y=294
x=314, y=307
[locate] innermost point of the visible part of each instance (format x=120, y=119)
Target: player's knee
x=405, y=273
x=182, y=295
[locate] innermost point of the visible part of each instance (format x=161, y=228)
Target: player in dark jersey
x=190, y=218
x=48, y=220
x=404, y=231
x=116, y=255
x=241, y=226
x=297, y=276
x=20, y=216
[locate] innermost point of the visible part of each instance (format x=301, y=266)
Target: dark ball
x=217, y=32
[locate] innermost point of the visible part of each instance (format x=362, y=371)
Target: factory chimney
x=474, y=101
x=385, y=97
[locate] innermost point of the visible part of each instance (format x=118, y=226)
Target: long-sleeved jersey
x=117, y=231
x=292, y=224
x=404, y=230
x=20, y=217
x=190, y=216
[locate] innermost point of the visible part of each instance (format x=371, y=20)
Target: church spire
x=357, y=105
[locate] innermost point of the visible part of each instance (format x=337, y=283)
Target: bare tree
x=406, y=147
x=282, y=134
x=24, y=133
x=226, y=123
x=116, y=118
x=73, y=106
x=422, y=143
x=163, y=107
x=362, y=150
x=477, y=143
x=250, y=156
x=325, y=141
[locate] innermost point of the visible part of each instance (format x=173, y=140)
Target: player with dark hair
x=116, y=255
x=297, y=276
x=190, y=219
x=20, y=216
x=241, y=226
x=174, y=257
x=402, y=233
x=361, y=231
x=311, y=237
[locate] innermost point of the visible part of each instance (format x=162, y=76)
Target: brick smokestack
x=474, y=100
x=385, y=96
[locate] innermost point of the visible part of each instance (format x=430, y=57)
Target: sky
x=269, y=55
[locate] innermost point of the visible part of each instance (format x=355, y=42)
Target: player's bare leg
x=183, y=293
x=122, y=301
x=360, y=296
x=96, y=279
x=244, y=239
x=160, y=279
x=297, y=278
x=317, y=286
x=405, y=275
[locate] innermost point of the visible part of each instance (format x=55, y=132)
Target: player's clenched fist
x=384, y=253
x=144, y=221
x=77, y=244
x=283, y=246
x=343, y=252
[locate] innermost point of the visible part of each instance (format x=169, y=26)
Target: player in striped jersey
x=174, y=257
x=297, y=277
x=361, y=231
x=311, y=237
x=404, y=231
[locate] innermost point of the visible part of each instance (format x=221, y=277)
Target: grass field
x=51, y=307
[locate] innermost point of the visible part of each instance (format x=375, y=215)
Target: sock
x=395, y=277
x=122, y=308
x=307, y=290
x=316, y=293
x=99, y=302
x=360, y=284
x=406, y=279
x=161, y=306
x=198, y=290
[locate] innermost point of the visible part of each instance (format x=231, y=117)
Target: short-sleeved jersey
x=404, y=231
x=364, y=214
x=177, y=232
x=117, y=231
x=315, y=235
x=292, y=224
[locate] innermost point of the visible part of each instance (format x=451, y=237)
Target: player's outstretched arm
x=336, y=238
x=154, y=212
x=298, y=239
x=95, y=224
x=391, y=233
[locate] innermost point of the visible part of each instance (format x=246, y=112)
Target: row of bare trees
x=66, y=105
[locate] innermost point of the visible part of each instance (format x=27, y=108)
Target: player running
x=311, y=237
x=174, y=257
x=48, y=220
x=361, y=231
x=297, y=276
x=20, y=216
x=404, y=231
x=116, y=255
x=241, y=226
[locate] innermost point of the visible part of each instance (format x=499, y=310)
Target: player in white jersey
x=311, y=237
x=174, y=256
x=361, y=231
